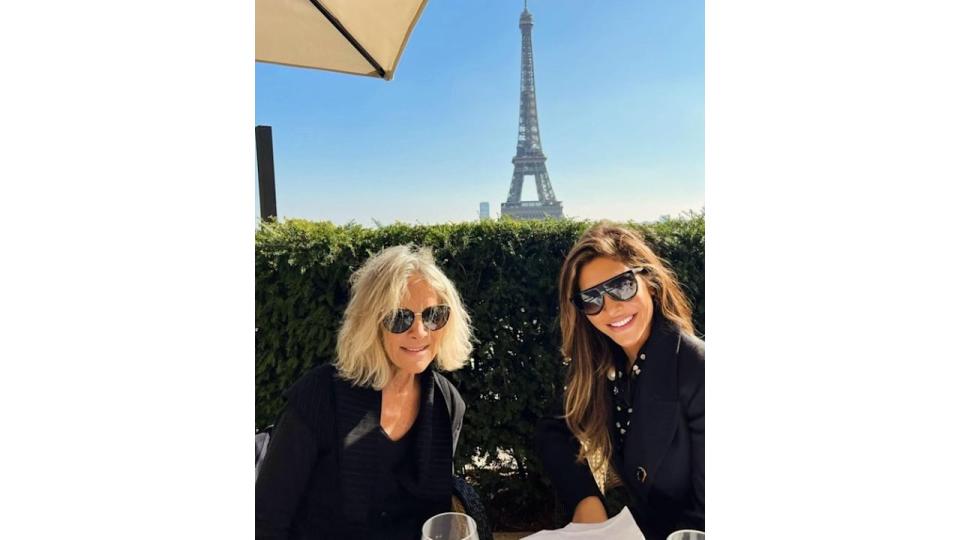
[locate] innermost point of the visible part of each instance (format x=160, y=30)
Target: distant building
x=484, y=210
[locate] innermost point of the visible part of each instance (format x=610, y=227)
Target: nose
x=418, y=329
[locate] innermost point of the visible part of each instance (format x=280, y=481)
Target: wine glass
x=687, y=534
x=450, y=526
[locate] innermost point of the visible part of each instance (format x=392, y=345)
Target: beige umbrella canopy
x=362, y=37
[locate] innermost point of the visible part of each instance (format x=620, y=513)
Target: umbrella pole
x=268, y=190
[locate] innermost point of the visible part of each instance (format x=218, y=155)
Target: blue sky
x=619, y=95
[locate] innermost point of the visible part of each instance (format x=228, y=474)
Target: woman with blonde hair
x=633, y=403
x=365, y=445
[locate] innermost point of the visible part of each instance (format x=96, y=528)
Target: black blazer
x=662, y=462
x=319, y=474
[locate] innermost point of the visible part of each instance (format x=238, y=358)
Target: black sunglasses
x=621, y=287
x=434, y=318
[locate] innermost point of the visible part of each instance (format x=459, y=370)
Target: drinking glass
x=450, y=526
x=687, y=534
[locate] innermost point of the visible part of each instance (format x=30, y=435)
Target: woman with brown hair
x=633, y=405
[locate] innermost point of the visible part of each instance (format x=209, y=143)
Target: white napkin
x=619, y=527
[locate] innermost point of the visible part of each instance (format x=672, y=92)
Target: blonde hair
x=376, y=289
x=586, y=405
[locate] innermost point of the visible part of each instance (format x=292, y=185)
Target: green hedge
x=506, y=272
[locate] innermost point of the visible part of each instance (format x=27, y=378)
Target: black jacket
x=662, y=461
x=318, y=478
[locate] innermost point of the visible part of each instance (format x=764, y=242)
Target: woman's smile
x=623, y=323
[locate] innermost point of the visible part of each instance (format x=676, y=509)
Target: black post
x=268, y=189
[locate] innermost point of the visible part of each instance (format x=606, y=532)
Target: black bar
x=349, y=37
x=268, y=189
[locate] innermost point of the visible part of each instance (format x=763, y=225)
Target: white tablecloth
x=619, y=527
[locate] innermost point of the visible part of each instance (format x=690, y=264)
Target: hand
x=590, y=510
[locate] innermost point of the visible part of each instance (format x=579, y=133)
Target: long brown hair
x=586, y=405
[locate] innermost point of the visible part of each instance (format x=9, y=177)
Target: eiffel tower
x=530, y=160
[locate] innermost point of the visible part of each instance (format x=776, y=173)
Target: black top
x=395, y=460
x=624, y=382
x=321, y=477
x=397, y=473
x=659, y=455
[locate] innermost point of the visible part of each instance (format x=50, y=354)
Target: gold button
x=641, y=475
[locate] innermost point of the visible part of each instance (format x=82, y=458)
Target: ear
x=649, y=282
x=654, y=288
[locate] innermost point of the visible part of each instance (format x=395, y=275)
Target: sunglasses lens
x=623, y=288
x=590, y=301
x=435, y=317
x=399, y=321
